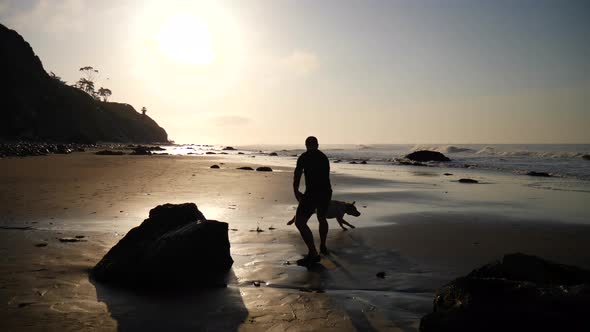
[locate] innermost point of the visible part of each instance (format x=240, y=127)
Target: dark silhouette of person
x=318, y=193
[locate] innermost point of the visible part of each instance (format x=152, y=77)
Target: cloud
x=300, y=63
x=231, y=120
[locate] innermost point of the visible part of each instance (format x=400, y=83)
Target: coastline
x=420, y=237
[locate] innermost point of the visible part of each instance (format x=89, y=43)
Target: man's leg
x=322, y=210
x=323, y=233
x=304, y=212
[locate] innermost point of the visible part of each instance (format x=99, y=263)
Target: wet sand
x=102, y=197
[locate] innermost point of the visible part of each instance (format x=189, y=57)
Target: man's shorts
x=314, y=202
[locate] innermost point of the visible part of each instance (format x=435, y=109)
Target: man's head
x=311, y=143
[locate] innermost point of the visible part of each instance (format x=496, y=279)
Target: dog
x=337, y=209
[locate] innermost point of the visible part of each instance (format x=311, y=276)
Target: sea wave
x=492, y=151
x=443, y=149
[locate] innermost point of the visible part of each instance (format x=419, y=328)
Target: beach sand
x=422, y=232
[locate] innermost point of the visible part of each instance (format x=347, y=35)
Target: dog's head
x=351, y=209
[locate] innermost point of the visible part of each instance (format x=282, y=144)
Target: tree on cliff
x=104, y=93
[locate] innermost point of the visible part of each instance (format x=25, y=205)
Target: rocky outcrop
x=425, y=155
x=520, y=293
x=175, y=247
x=37, y=107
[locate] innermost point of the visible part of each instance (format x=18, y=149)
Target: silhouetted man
x=318, y=193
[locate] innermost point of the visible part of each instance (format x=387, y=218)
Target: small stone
x=468, y=181
x=381, y=275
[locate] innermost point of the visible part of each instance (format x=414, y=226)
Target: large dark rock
x=425, y=155
x=521, y=293
x=37, y=107
x=586, y=157
x=175, y=247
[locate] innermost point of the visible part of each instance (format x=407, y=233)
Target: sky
x=348, y=72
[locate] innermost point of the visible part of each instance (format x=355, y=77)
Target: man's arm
x=297, y=178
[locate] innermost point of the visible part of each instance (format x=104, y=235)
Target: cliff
x=36, y=107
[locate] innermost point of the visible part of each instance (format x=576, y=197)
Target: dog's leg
x=347, y=223
x=340, y=221
x=291, y=221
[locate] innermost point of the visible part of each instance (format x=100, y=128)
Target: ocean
x=559, y=160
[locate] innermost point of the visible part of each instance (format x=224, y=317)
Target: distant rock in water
x=264, y=169
x=175, y=247
x=273, y=154
x=214, y=166
x=36, y=107
x=109, y=153
x=425, y=155
x=520, y=293
x=468, y=181
x=209, y=152
x=541, y=174
x=246, y=168
x=228, y=148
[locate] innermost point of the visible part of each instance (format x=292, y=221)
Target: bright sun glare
x=186, y=39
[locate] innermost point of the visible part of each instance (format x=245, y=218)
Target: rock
x=520, y=293
x=40, y=245
x=352, y=162
x=273, y=154
x=264, y=169
x=141, y=151
x=109, y=153
x=70, y=239
x=222, y=152
x=468, y=181
x=240, y=152
x=586, y=157
x=447, y=174
x=541, y=174
x=228, y=148
x=246, y=168
x=209, y=152
x=364, y=162
x=175, y=247
x=425, y=155
x=337, y=161
x=380, y=275
x=214, y=166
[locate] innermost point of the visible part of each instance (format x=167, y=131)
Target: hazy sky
x=244, y=72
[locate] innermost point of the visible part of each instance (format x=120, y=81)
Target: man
x=318, y=193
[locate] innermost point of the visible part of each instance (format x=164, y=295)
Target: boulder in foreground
x=175, y=247
x=425, y=155
x=520, y=293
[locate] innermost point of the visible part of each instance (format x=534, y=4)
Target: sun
x=186, y=39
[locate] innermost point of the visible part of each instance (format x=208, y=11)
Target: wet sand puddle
x=353, y=287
